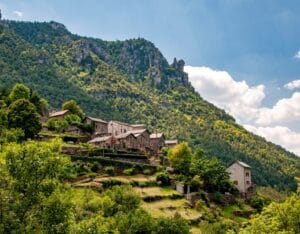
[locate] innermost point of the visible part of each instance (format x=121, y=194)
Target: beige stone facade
x=240, y=174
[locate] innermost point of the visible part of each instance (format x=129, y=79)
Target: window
x=248, y=182
x=235, y=182
x=247, y=174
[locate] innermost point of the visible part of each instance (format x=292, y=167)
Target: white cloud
x=18, y=13
x=284, y=111
x=244, y=102
x=293, y=85
x=218, y=87
x=297, y=55
x=280, y=135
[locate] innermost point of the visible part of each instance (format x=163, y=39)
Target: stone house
x=103, y=142
x=240, y=174
x=59, y=114
x=157, y=142
x=142, y=139
x=100, y=126
x=73, y=129
x=125, y=141
x=116, y=128
x=171, y=143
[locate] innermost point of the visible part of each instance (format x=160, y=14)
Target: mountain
x=132, y=81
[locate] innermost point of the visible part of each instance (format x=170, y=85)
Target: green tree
x=180, y=158
x=34, y=171
x=22, y=114
x=277, y=218
x=73, y=108
x=19, y=91
x=73, y=119
x=172, y=225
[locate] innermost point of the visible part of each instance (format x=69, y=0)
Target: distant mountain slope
x=132, y=81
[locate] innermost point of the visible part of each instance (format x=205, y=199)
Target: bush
x=110, y=170
x=96, y=167
x=146, y=172
x=217, y=197
x=258, y=202
x=163, y=178
x=128, y=171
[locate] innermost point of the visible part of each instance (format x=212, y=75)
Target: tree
x=22, y=114
x=19, y=91
x=172, y=225
x=73, y=108
x=180, y=158
x=277, y=218
x=34, y=171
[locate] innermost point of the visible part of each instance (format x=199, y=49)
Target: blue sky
x=255, y=41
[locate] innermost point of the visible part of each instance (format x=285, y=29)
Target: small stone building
x=240, y=174
x=157, y=142
x=100, y=126
x=142, y=139
x=103, y=142
x=125, y=141
x=59, y=114
x=171, y=143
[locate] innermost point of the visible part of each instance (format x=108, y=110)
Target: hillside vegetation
x=131, y=81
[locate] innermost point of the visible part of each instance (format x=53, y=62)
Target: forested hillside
x=132, y=81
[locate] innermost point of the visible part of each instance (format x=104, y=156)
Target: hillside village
x=118, y=135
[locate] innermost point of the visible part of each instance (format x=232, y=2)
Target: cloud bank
x=244, y=102
x=297, y=55
x=293, y=85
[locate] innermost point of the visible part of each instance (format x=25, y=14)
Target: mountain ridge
x=131, y=81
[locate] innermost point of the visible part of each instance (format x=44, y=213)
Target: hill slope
x=132, y=81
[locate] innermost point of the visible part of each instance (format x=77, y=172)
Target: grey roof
x=58, y=113
x=138, y=125
x=99, y=139
x=243, y=164
x=96, y=119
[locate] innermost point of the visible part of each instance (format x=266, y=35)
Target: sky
x=241, y=55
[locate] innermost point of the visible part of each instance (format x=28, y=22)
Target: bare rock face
x=81, y=50
x=57, y=26
x=180, y=75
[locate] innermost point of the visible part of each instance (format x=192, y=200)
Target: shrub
x=258, y=202
x=110, y=170
x=163, y=178
x=96, y=167
x=146, y=172
x=217, y=197
x=128, y=171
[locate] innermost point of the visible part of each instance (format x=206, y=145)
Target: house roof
x=171, y=142
x=138, y=125
x=243, y=164
x=156, y=135
x=99, y=139
x=96, y=119
x=118, y=122
x=124, y=135
x=58, y=113
x=138, y=132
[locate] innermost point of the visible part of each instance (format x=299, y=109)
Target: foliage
x=259, y=202
x=180, y=158
x=22, y=114
x=110, y=170
x=19, y=91
x=277, y=218
x=163, y=178
x=211, y=171
x=172, y=225
x=73, y=119
x=128, y=171
x=57, y=125
x=73, y=108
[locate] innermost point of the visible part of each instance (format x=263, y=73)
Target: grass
x=169, y=207
x=272, y=194
x=155, y=191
